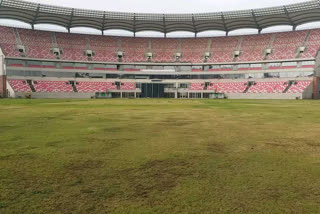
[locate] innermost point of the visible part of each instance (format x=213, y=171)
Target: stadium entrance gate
x=152, y=90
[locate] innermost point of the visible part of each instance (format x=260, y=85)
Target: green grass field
x=159, y=156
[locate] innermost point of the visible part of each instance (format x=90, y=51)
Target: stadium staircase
x=31, y=86
x=248, y=87
x=288, y=87
x=74, y=86
x=305, y=43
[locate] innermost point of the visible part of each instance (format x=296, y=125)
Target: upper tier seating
x=222, y=48
x=52, y=86
x=134, y=49
x=19, y=85
x=164, y=49
x=105, y=48
x=197, y=86
x=193, y=49
x=299, y=86
x=268, y=87
x=286, y=44
x=7, y=42
x=38, y=43
x=252, y=47
x=73, y=46
x=313, y=44
x=86, y=87
x=228, y=87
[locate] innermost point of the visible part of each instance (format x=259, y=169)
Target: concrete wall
x=307, y=94
x=264, y=96
x=46, y=95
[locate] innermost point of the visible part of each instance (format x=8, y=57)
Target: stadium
x=44, y=64
x=101, y=123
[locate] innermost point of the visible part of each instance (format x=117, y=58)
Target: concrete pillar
x=135, y=94
x=3, y=86
x=3, y=76
x=121, y=94
x=316, y=87
x=201, y=95
x=176, y=91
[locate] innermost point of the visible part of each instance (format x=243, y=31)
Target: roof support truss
x=255, y=21
x=103, y=22
x=35, y=17
x=164, y=26
x=224, y=24
x=70, y=21
x=289, y=18
x=194, y=26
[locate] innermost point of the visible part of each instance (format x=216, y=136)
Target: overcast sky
x=168, y=6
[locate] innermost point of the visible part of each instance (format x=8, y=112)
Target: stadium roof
x=33, y=13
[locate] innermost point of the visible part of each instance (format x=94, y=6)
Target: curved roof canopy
x=33, y=13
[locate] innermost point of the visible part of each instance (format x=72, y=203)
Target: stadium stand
x=222, y=48
x=19, y=85
x=164, y=49
x=105, y=48
x=193, y=49
x=228, y=87
x=197, y=86
x=38, y=43
x=8, y=41
x=52, y=86
x=312, y=45
x=111, y=86
x=268, y=87
x=72, y=46
x=128, y=86
x=134, y=49
x=299, y=86
x=85, y=87
x=286, y=44
x=251, y=47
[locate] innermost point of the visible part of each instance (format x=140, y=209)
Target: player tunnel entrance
x=152, y=90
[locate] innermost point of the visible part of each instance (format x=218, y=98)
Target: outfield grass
x=159, y=156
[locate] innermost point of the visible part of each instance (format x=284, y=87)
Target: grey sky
x=168, y=6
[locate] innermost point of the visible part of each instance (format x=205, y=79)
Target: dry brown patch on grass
x=216, y=148
x=84, y=165
x=157, y=176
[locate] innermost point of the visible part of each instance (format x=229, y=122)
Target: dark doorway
x=152, y=90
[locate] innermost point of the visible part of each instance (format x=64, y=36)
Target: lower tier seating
x=52, y=86
x=228, y=87
x=268, y=87
x=86, y=87
x=197, y=86
x=128, y=86
x=19, y=85
x=299, y=86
